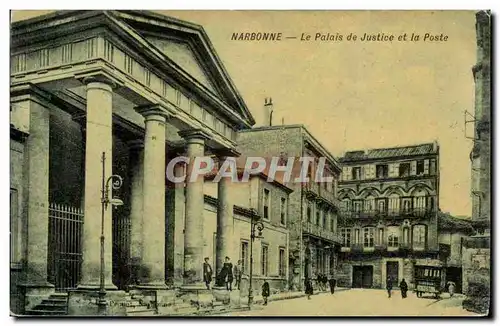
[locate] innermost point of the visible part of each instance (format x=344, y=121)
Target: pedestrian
x=404, y=288
x=333, y=282
x=309, y=288
x=389, y=286
x=207, y=273
x=228, y=273
x=325, y=282
x=237, y=274
x=451, y=289
x=265, y=292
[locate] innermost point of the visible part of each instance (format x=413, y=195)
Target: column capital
x=101, y=77
x=155, y=112
x=194, y=134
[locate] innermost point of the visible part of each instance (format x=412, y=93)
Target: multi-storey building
x=313, y=206
x=388, y=223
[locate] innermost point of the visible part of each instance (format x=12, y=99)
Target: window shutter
x=413, y=167
x=426, y=166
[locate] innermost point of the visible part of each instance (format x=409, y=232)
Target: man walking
x=332, y=281
x=389, y=286
x=207, y=273
x=404, y=288
x=237, y=274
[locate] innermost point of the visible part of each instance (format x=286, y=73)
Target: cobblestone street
x=361, y=302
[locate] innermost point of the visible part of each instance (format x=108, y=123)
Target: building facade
x=388, y=223
x=313, y=206
x=102, y=93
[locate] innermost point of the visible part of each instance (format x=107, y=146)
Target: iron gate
x=65, y=246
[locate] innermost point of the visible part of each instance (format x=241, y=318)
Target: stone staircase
x=55, y=305
x=135, y=306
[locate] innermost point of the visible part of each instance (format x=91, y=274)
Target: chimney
x=268, y=112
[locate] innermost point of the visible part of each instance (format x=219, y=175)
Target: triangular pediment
x=187, y=45
x=182, y=54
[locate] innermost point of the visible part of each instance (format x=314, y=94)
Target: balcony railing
x=382, y=247
x=318, y=190
x=319, y=231
x=393, y=213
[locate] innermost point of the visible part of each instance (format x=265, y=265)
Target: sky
x=358, y=95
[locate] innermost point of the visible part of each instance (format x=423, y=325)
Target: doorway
x=392, y=271
x=454, y=274
x=362, y=276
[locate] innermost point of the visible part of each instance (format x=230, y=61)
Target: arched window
x=393, y=236
x=346, y=204
x=419, y=236
x=393, y=204
x=369, y=204
x=419, y=201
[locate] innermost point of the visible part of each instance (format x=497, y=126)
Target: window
x=393, y=204
x=382, y=171
x=381, y=205
x=420, y=167
x=15, y=250
x=346, y=205
x=283, y=211
x=357, y=204
x=266, y=204
x=282, y=262
x=264, y=259
x=369, y=204
x=419, y=236
x=318, y=211
x=368, y=237
x=244, y=257
x=404, y=169
x=332, y=224
x=393, y=236
x=406, y=205
x=356, y=173
x=346, y=237
x=325, y=215
x=309, y=213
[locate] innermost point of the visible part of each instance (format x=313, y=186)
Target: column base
x=197, y=294
x=152, y=286
x=85, y=303
x=96, y=287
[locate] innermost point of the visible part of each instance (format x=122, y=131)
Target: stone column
x=153, y=227
x=99, y=140
x=224, y=216
x=37, y=204
x=193, y=229
x=136, y=208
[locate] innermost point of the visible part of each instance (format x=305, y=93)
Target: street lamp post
x=255, y=225
x=105, y=201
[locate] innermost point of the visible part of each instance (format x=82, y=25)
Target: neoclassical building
x=96, y=93
x=390, y=199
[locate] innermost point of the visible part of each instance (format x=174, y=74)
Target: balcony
x=317, y=191
x=393, y=213
x=314, y=230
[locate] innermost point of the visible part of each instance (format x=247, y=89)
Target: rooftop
x=380, y=153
